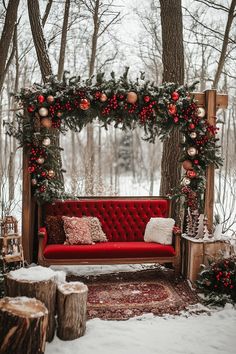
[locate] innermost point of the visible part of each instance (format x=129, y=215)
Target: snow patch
x=37, y=273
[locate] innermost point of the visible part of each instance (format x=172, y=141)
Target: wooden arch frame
x=208, y=99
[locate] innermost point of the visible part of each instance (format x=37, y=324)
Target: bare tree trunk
x=173, y=70
x=46, y=13
x=89, y=170
x=7, y=33
x=39, y=40
x=63, y=41
x=231, y=16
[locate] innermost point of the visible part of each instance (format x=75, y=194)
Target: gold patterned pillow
x=96, y=231
x=77, y=231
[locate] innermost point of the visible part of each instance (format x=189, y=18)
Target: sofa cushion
x=121, y=219
x=77, y=231
x=159, y=230
x=95, y=229
x=109, y=250
x=56, y=233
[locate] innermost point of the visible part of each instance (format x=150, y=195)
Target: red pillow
x=56, y=233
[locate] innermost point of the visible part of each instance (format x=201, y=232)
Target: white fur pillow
x=159, y=230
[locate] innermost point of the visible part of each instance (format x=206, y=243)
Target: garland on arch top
x=72, y=104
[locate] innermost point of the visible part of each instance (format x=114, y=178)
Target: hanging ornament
x=31, y=108
x=59, y=114
x=132, y=97
x=175, y=96
x=193, y=135
x=51, y=174
x=201, y=112
x=46, y=123
x=50, y=99
x=33, y=181
x=31, y=169
x=43, y=112
x=41, y=98
x=196, y=162
x=192, y=151
x=191, y=126
x=191, y=174
x=172, y=109
x=40, y=160
x=43, y=174
x=186, y=181
x=146, y=99
x=46, y=141
x=103, y=97
x=187, y=165
x=84, y=104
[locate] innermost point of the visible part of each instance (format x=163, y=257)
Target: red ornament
x=191, y=126
x=41, y=98
x=97, y=94
x=42, y=189
x=43, y=174
x=31, y=108
x=196, y=162
x=172, y=109
x=146, y=99
x=191, y=174
x=31, y=169
x=175, y=96
x=84, y=104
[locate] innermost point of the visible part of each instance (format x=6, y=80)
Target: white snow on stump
x=23, y=306
x=37, y=273
x=74, y=287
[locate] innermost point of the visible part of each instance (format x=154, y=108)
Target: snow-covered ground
x=212, y=332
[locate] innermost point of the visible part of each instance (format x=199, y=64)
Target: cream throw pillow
x=77, y=231
x=159, y=230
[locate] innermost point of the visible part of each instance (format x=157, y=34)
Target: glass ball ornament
x=51, y=174
x=186, y=181
x=43, y=112
x=40, y=160
x=50, y=99
x=172, y=109
x=41, y=98
x=103, y=97
x=187, y=164
x=132, y=97
x=46, y=141
x=191, y=174
x=193, y=135
x=46, y=122
x=192, y=151
x=201, y=112
x=84, y=104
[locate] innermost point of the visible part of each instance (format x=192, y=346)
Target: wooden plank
x=210, y=173
x=221, y=99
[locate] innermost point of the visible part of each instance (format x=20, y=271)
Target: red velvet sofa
x=123, y=220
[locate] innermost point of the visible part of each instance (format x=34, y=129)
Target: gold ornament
x=40, y=160
x=201, y=112
x=187, y=165
x=46, y=122
x=46, y=141
x=43, y=112
x=132, y=97
x=193, y=135
x=51, y=174
x=50, y=99
x=192, y=151
x=103, y=97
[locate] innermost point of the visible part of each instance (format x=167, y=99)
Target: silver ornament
x=192, y=151
x=186, y=181
x=46, y=141
x=193, y=135
x=43, y=112
x=40, y=160
x=201, y=112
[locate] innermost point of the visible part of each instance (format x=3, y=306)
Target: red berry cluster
x=146, y=112
x=112, y=104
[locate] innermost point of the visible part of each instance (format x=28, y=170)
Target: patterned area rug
x=120, y=296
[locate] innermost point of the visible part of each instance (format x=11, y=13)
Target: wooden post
x=211, y=101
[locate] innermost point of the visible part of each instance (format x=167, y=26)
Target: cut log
x=38, y=282
x=71, y=310
x=23, y=326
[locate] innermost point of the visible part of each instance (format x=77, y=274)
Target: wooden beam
x=221, y=99
x=210, y=100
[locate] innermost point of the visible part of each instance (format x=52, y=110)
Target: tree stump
x=71, y=310
x=38, y=282
x=23, y=326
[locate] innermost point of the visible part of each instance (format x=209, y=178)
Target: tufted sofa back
x=121, y=219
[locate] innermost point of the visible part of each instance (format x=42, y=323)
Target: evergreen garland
x=72, y=104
